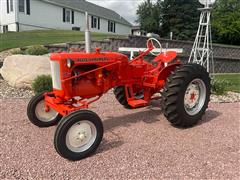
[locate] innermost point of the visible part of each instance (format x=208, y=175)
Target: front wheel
x=39, y=115
x=186, y=95
x=78, y=135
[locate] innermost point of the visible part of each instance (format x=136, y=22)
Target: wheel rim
x=195, y=97
x=81, y=136
x=42, y=114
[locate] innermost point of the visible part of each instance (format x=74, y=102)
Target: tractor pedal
x=137, y=103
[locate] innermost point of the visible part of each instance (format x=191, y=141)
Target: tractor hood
x=96, y=57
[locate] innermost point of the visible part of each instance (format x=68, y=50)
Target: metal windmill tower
x=202, y=51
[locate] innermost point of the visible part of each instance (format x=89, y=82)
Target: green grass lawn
x=21, y=39
x=233, y=79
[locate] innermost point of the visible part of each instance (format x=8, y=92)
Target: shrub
x=42, y=83
x=37, y=50
x=219, y=87
x=17, y=51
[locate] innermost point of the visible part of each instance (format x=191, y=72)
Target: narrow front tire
x=78, y=135
x=38, y=115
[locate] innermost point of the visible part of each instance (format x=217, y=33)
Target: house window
x=111, y=26
x=28, y=7
x=68, y=15
x=11, y=5
x=95, y=22
x=21, y=6
x=7, y=6
x=5, y=29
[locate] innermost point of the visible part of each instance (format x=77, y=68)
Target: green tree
x=149, y=16
x=226, y=21
x=180, y=17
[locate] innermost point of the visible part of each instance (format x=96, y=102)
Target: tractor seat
x=166, y=57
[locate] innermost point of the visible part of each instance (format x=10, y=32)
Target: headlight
x=56, y=77
x=69, y=63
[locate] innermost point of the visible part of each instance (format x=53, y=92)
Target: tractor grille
x=56, y=78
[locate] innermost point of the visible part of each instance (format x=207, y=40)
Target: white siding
x=29, y=28
x=8, y=19
x=48, y=16
x=45, y=15
x=122, y=29
x=103, y=26
x=119, y=28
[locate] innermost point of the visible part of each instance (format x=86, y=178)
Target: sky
x=126, y=8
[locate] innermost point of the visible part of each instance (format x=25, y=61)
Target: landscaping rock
x=20, y=70
x=229, y=97
x=3, y=55
x=8, y=92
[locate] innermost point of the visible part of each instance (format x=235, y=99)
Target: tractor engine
x=85, y=75
x=91, y=84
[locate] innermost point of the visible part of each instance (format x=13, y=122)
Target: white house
x=24, y=15
x=136, y=31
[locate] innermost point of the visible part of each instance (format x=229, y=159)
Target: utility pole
x=87, y=34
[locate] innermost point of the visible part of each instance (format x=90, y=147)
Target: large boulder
x=20, y=70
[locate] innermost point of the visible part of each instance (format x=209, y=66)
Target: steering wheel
x=150, y=44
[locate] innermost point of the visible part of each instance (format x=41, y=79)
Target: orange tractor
x=80, y=79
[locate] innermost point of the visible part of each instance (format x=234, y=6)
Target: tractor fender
x=166, y=71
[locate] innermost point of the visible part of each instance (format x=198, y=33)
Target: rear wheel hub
x=195, y=97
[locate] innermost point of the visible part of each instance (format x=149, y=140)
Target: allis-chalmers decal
x=93, y=59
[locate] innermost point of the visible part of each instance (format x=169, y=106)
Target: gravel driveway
x=138, y=144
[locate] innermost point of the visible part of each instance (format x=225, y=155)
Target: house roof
x=136, y=28
x=92, y=9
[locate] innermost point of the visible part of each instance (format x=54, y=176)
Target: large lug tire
x=186, y=95
x=37, y=114
x=120, y=95
x=78, y=135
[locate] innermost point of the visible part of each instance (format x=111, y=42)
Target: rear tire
x=186, y=95
x=120, y=95
x=78, y=135
x=37, y=115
